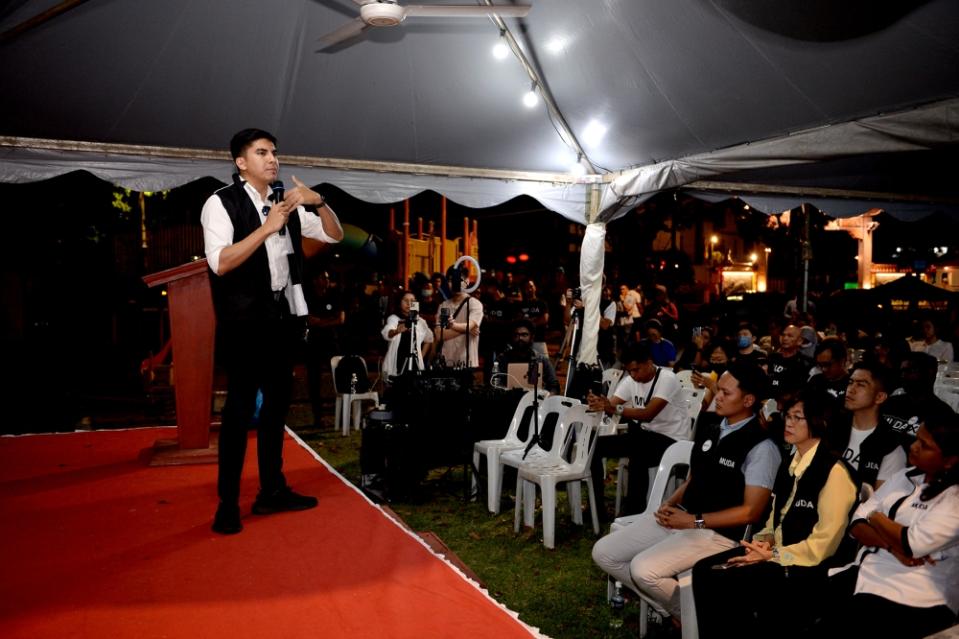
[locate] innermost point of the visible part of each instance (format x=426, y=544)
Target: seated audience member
x=832, y=378
x=732, y=473
x=865, y=441
x=520, y=351
x=707, y=375
x=931, y=343
x=662, y=350
x=788, y=368
x=917, y=381
x=696, y=352
x=888, y=352
x=402, y=355
x=907, y=585
x=777, y=575
x=808, y=341
x=746, y=350
x=651, y=400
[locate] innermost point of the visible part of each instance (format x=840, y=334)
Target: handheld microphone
x=277, y=196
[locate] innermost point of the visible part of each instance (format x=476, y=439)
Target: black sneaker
x=227, y=519
x=282, y=500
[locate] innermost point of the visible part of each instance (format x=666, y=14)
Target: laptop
x=517, y=376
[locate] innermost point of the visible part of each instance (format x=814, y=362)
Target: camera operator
x=398, y=332
x=520, y=351
x=572, y=302
x=458, y=323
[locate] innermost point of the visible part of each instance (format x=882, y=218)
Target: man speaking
x=252, y=232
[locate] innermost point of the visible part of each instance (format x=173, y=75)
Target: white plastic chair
x=611, y=377
x=493, y=447
x=347, y=408
x=676, y=455
x=576, y=432
x=554, y=404
x=685, y=378
x=694, y=406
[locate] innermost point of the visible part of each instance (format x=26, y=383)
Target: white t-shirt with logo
x=891, y=464
x=673, y=421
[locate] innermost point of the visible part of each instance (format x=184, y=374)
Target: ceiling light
x=593, y=133
x=531, y=98
x=501, y=49
x=556, y=45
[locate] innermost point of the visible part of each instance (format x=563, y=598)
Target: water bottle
x=353, y=381
x=616, y=606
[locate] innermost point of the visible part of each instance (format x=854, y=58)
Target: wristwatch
x=699, y=522
x=619, y=409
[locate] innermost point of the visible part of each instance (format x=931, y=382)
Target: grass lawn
x=559, y=591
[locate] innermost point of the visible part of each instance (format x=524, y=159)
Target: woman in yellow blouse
x=768, y=587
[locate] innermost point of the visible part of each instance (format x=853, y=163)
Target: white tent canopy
x=657, y=94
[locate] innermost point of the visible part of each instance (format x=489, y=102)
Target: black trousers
x=758, y=601
x=257, y=356
x=645, y=449
x=868, y=615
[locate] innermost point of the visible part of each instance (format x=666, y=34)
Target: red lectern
x=193, y=329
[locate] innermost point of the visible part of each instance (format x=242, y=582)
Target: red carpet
x=95, y=544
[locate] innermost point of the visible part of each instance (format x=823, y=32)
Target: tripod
x=410, y=360
x=533, y=377
x=570, y=342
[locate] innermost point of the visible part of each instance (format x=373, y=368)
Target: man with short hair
x=917, y=380
x=732, y=472
x=865, y=442
x=746, y=349
x=521, y=351
x=832, y=378
x=252, y=242
x=652, y=401
x=788, y=368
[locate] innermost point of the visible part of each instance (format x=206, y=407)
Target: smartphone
x=697, y=331
x=596, y=388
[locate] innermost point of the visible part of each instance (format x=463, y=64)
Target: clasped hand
x=756, y=551
x=669, y=516
x=597, y=403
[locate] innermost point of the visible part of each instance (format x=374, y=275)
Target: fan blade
x=465, y=11
x=347, y=31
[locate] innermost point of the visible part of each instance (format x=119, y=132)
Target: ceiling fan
x=389, y=13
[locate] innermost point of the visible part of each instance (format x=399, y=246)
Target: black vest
x=803, y=512
x=245, y=293
x=880, y=443
x=717, y=480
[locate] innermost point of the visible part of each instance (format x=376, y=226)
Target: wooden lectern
x=193, y=330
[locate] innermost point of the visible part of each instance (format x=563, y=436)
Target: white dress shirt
x=218, y=234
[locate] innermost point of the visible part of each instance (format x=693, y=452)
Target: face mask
x=743, y=341
x=719, y=369
x=426, y=294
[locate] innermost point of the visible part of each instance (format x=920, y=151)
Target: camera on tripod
x=413, y=314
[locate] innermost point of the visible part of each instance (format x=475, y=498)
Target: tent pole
x=443, y=235
x=405, y=270
x=806, y=255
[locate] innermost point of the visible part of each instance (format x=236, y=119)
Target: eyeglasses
x=793, y=417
